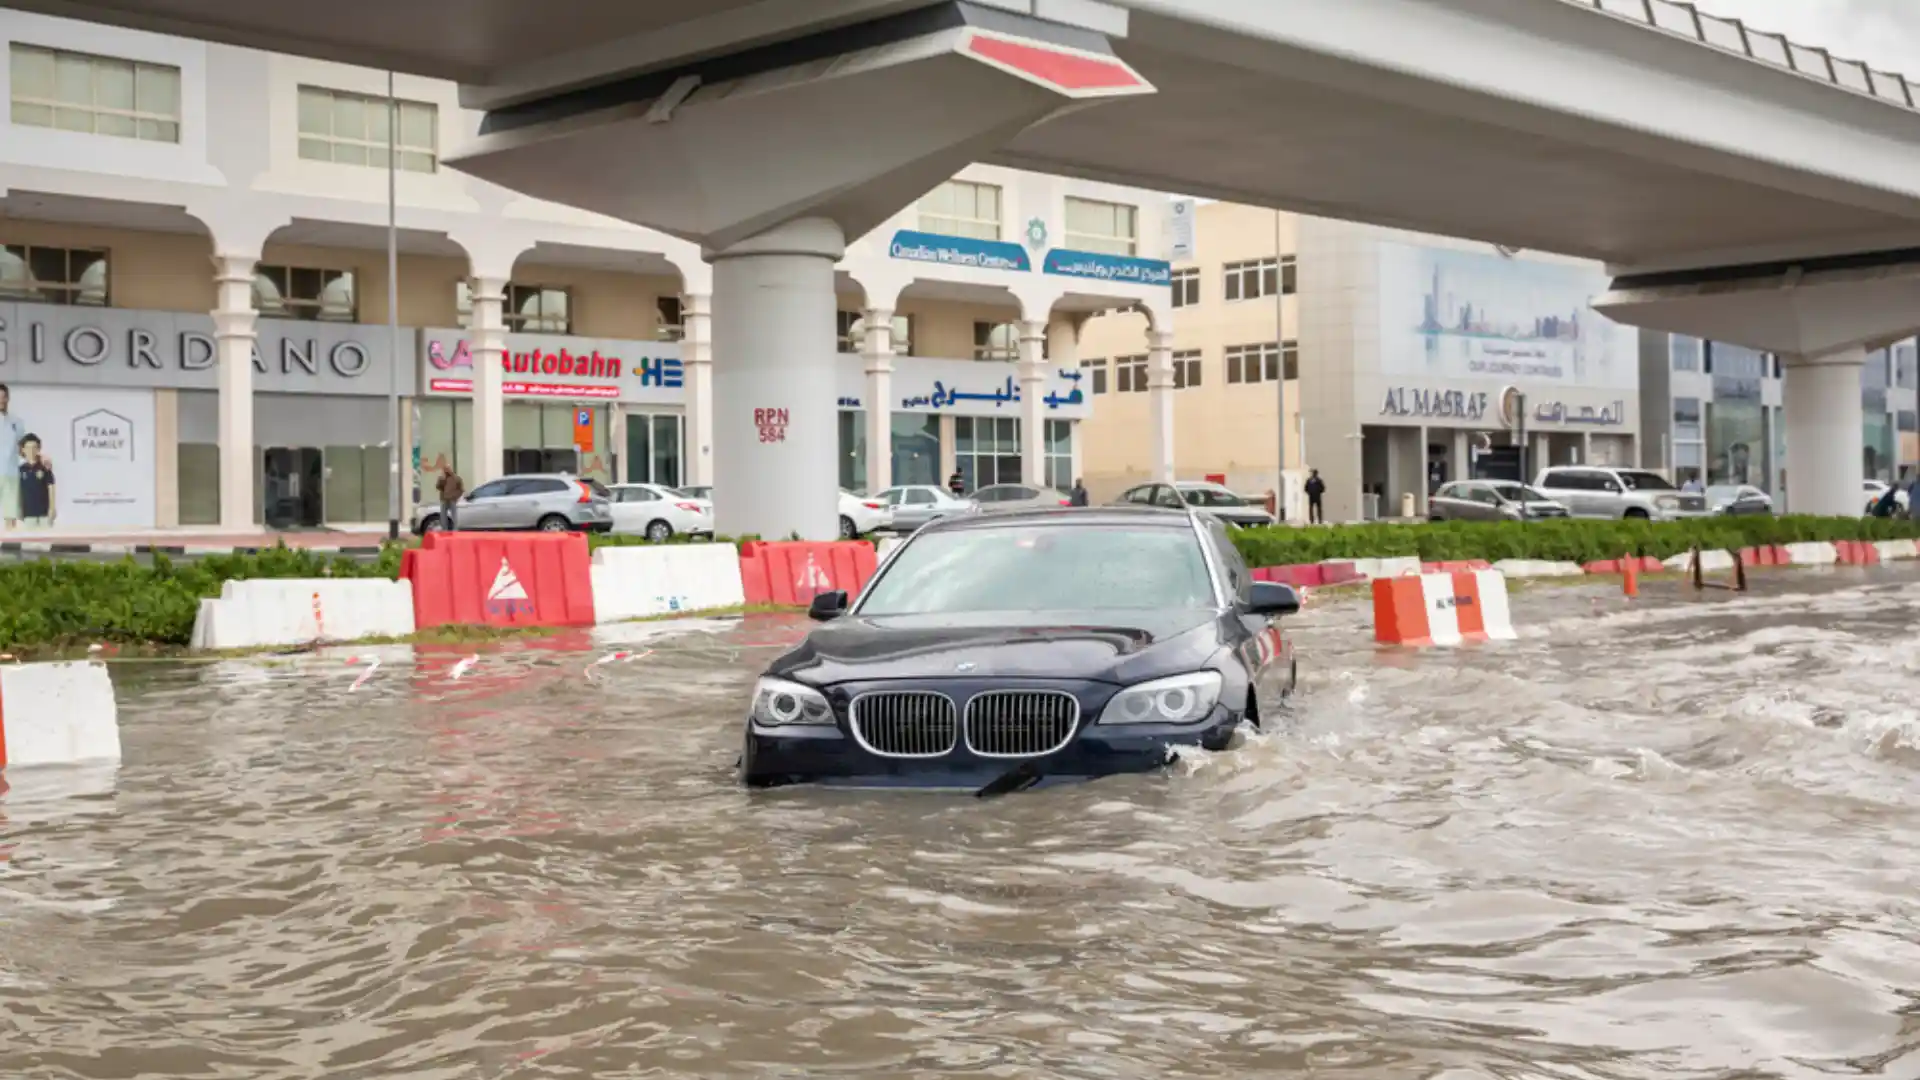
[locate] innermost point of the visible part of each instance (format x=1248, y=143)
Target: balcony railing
x=1732, y=35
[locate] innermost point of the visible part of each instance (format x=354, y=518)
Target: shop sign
x=772, y=424
x=1434, y=404
x=558, y=367
x=1102, y=267
x=63, y=345
x=959, y=251
x=975, y=389
x=1559, y=412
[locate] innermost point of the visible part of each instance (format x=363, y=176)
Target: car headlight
x=1182, y=699
x=780, y=703
x=1667, y=502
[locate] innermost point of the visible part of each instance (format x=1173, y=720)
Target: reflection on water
x=1668, y=840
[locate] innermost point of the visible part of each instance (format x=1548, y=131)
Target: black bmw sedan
x=996, y=651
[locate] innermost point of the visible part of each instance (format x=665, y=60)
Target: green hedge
x=1571, y=540
x=49, y=603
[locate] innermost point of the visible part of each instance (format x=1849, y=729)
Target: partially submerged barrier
x=792, y=573
x=57, y=714
x=636, y=582
x=500, y=579
x=1442, y=609
x=293, y=611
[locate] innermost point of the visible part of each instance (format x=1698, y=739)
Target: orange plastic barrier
x=792, y=573
x=1441, y=609
x=500, y=579
x=1644, y=564
x=1857, y=553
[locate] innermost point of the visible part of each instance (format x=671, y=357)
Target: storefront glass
x=539, y=436
x=1060, y=455
x=653, y=448
x=916, y=449
x=1876, y=429
x=853, y=450
x=1736, y=433
x=987, y=450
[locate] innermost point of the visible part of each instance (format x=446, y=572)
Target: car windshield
x=1516, y=493
x=1723, y=493
x=1645, y=481
x=1044, y=568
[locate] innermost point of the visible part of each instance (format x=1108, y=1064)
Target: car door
x=1448, y=504
x=917, y=507
x=480, y=509
x=520, y=507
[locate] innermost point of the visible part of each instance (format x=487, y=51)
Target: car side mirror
x=827, y=606
x=1273, y=598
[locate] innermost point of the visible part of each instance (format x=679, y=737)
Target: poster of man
x=12, y=432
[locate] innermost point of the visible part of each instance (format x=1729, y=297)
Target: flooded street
x=1672, y=839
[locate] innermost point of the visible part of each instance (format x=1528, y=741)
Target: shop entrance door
x=291, y=487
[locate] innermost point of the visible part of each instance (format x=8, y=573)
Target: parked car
x=659, y=512
x=1589, y=491
x=1875, y=490
x=1491, y=500
x=1739, y=500
x=550, y=502
x=1207, y=498
x=998, y=497
x=916, y=504
x=703, y=492
x=860, y=516
x=999, y=651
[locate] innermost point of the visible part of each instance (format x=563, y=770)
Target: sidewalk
x=190, y=542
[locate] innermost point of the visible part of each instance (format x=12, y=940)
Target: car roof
x=1145, y=516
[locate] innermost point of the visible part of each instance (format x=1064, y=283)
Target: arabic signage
x=1435, y=404
x=1558, y=412
x=108, y=347
x=1182, y=245
x=1453, y=315
x=558, y=368
x=958, y=251
x=1102, y=267
x=964, y=388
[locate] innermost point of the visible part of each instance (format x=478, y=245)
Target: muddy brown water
x=1671, y=838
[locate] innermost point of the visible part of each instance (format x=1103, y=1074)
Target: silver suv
x=550, y=502
x=1595, y=492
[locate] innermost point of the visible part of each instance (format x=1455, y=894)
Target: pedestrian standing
x=450, y=487
x=956, y=485
x=1078, y=496
x=1316, y=491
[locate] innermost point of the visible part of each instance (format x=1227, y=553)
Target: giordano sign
x=82, y=346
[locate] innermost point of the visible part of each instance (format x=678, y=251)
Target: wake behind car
x=994, y=651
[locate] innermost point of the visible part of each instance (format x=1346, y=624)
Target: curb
x=18, y=547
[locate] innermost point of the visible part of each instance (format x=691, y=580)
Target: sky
x=1884, y=33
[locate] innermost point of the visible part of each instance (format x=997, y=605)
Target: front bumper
x=832, y=755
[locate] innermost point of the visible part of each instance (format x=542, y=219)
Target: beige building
x=1420, y=360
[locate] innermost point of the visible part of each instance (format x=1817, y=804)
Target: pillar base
x=1821, y=399
x=776, y=432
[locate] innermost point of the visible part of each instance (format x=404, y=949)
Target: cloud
x=1884, y=33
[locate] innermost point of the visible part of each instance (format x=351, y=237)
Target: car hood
x=1118, y=647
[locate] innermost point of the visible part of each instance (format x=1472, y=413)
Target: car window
x=542, y=485
x=920, y=497
x=491, y=490
x=1140, y=495
x=1487, y=496
x=1645, y=481
x=1168, y=497
x=1449, y=491
x=1044, y=568
x=989, y=495
x=638, y=495
x=1570, y=481
x=891, y=497
x=1239, y=578
x=597, y=487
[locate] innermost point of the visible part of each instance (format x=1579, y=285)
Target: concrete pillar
x=234, y=336
x=876, y=348
x=775, y=436
x=696, y=356
x=617, y=442
x=1033, y=406
x=1063, y=340
x=489, y=329
x=1160, y=403
x=949, y=450
x=1821, y=396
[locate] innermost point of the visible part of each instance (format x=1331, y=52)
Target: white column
x=1160, y=402
x=696, y=355
x=1821, y=396
x=1033, y=407
x=1063, y=340
x=488, y=326
x=876, y=348
x=775, y=434
x=233, y=334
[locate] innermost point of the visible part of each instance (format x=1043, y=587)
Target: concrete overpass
x=1744, y=188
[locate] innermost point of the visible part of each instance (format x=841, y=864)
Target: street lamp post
x=393, y=317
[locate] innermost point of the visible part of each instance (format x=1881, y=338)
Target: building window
x=530, y=309
x=351, y=129
x=1059, y=450
x=962, y=208
x=671, y=325
x=1186, y=287
x=296, y=292
x=1256, y=278
x=1686, y=419
x=986, y=450
x=851, y=332
x=1253, y=363
x=1186, y=369
x=1104, y=227
x=1130, y=374
x=50, y=275
x=1096, y=371
x=99, y=95
x=1685, y=352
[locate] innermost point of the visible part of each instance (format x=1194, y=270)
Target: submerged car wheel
x=847, y=531
x=659, y=532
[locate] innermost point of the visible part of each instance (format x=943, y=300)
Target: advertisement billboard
x=75, y=457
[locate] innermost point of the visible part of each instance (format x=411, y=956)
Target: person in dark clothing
x=1078, y=496
x=1885, y=507
x=450, y=487
x=1316, y=490
x=956, y=485
x=36, y=485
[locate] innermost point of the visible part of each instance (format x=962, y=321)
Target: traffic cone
x=1630, y=580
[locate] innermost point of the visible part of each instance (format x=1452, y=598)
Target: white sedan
x=860, y=515
x=658, y=512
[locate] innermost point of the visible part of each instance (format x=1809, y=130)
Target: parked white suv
x=1594, y=492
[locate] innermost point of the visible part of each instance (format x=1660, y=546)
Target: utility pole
x=1280, y=344
x=393, y=316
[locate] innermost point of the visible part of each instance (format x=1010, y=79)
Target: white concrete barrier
x=1711, y=562
x=1897, y=549
x=293, y=611
x=1538, y=568
x=57, y=714
x=1400, y=566
x=635, y=582
x=1813, y=554
x=885, y=545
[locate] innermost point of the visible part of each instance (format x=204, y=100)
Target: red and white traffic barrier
x=1442, y=609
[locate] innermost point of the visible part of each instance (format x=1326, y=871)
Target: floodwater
x=1673, y=838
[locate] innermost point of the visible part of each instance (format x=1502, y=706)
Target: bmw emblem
x=965, y=667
